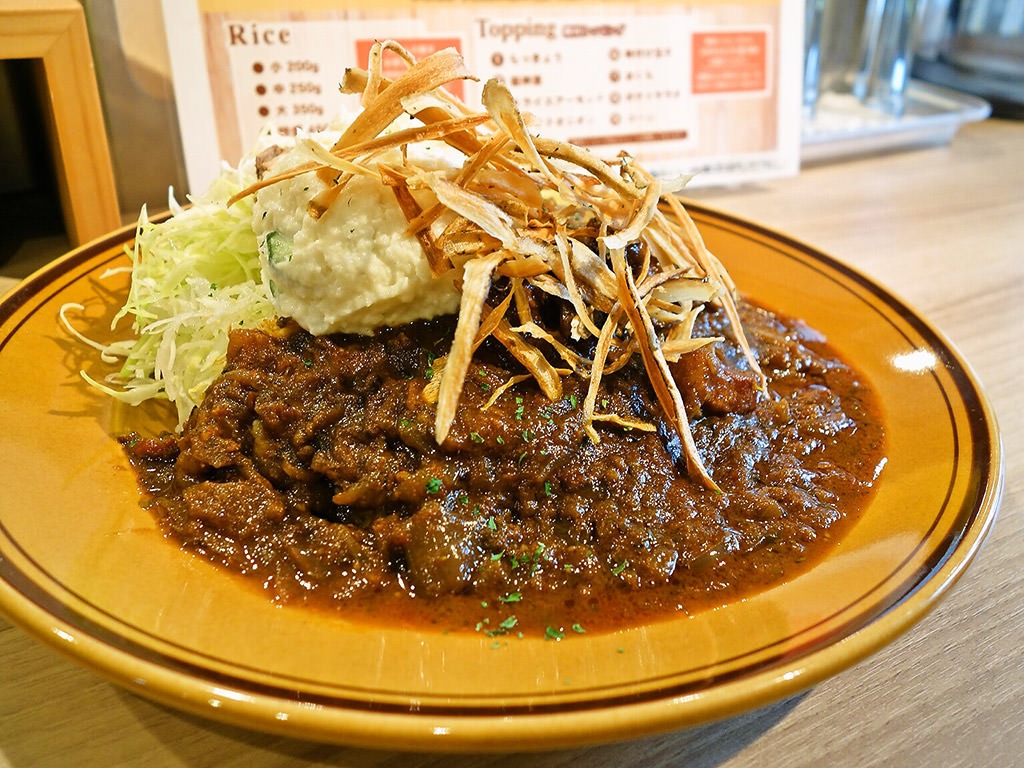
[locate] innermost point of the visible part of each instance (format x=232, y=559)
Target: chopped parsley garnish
x=620, y=567
x=578, y=628
x=547, y=488
x=511, y=597
x=433, y=485
x=491, y=524
x=476, y=437
x=554, y=634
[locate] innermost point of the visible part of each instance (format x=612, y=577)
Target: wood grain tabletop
x=941, y=226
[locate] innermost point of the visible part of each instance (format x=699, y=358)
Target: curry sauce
x=311, y=468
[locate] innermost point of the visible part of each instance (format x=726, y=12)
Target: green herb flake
x=491, y=524
x=495, y=557
x=511, y=597
x=547, y=488
x=308, y=363
x=572, y=401
x=476, y=437
x=508, y=623
x=485, y=386
x=433, y=485
x=554, y=634
x=620, y=567
x=577, y=628
x=406, y=422
x=501, y=440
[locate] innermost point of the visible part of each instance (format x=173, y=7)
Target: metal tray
x=842, y=126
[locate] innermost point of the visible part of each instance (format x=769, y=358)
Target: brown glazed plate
x=84, y=569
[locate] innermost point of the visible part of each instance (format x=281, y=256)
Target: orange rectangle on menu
x=730, y=61
x=420, y=47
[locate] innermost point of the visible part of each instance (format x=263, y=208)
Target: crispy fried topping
x=527, y=215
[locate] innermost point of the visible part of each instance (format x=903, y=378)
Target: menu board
x=701, y=87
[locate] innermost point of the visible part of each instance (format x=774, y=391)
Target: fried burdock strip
x=527, y=216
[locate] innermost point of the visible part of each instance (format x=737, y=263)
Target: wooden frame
x=55, y=32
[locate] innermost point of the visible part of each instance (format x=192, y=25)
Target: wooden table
x=943, y=227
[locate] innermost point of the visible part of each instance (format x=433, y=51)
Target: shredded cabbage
x=195, y=276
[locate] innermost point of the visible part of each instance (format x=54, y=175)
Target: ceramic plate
x=84, y=569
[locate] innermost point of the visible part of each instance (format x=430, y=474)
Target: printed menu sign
x=702, y=87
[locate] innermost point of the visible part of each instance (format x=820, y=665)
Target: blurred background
x=877, y=75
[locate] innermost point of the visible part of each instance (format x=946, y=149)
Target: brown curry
x=312, y=468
